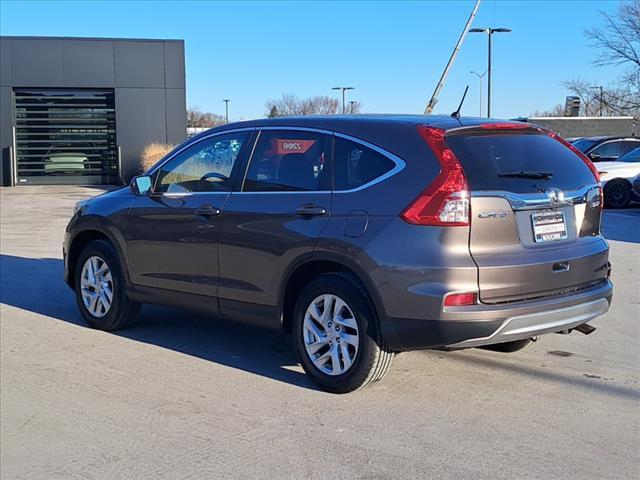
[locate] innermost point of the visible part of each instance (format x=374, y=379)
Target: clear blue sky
x=392, y=52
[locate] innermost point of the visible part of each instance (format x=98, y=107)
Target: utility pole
x=344, y=89
x=480, y=90
x=351, y=104
x=434, y=97
x=226, y=109
x=489, y=31
x=601, y=96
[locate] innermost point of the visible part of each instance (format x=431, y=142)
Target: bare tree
x=619, y=38
x=618, y=44
x=290, y=104
x=197, y=118
x=557, y=111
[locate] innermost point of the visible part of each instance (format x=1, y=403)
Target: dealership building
x=80, y=110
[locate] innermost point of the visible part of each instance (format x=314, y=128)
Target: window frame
x=233, y=179
x=400, y=164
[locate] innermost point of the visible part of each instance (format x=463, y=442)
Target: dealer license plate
x=549, y=226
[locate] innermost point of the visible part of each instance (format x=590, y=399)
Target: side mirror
x=141, y=185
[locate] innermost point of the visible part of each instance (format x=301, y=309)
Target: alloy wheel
x=96, y=285
x=330, y=334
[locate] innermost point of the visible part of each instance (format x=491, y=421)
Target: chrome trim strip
x=399, y=163
x=534, y=201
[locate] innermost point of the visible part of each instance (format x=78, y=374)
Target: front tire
x=617, y=194
x=337, y=335
x=100, y=288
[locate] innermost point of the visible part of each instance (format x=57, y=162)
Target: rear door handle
x=207, y=211
x=310, y=210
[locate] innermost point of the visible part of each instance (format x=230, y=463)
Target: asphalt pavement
x=179, y=395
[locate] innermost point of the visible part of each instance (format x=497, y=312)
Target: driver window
x=203, y=167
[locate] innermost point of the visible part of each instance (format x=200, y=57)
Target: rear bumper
x=465, y=327
x=530, y=325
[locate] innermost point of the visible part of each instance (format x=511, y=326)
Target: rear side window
x=356, y=165
x=290, y=161
x=485, y=157
x=608, y=149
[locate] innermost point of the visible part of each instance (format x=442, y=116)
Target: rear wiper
x=522, y=174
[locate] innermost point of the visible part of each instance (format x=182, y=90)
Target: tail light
x=445, y=202
x=460, y=299
x=582, y=156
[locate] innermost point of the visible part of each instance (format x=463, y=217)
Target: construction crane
x=436, y=92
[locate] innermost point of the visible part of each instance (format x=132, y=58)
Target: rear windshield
x=486, y=157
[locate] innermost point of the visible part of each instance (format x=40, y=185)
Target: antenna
x=456, y=114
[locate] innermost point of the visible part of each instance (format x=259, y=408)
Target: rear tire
x=100, y=288
x=617, y=194
x=508, y=347
x=335, y=321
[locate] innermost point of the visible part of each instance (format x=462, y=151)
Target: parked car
x=362, y=235
x=636, y=185
x=606, y=148
x=617, y=179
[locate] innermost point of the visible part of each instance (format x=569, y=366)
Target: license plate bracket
x=548, y=226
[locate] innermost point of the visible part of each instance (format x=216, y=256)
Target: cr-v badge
x=498, y=214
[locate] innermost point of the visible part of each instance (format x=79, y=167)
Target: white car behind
x=617, y=179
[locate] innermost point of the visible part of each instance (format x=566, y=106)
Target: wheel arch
x=82, y=237
x=305, y=269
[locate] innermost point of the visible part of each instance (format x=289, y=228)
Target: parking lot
x=182, y=396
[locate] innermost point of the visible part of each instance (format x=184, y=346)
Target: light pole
x=226, y=109
x=344, y=89
x=601, y=96
x=489, y=31
x=351, y=104
x=479, y=78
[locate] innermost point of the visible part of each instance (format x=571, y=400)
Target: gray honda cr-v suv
x=362, y=235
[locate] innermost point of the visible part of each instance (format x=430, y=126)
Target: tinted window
x=203, y=167
x=609, y=149
x=632, y=156
x=584, y=144
x=289, y=161
x=629, y=145
x=356, y=164
x=485, y=157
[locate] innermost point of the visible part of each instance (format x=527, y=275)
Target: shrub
x=152, y=153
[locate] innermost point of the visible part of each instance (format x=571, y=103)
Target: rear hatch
x=535, y=213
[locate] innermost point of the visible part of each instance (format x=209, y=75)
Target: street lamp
x=351, y=104
x=226, y=109
x=480, y=90
x=344, y=89
x=489, y=31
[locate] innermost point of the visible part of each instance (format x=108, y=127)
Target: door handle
x=310, y=210
x=207, y=211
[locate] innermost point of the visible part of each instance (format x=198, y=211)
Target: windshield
x=518, y=162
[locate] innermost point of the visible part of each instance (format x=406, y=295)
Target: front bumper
x=486, y=324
